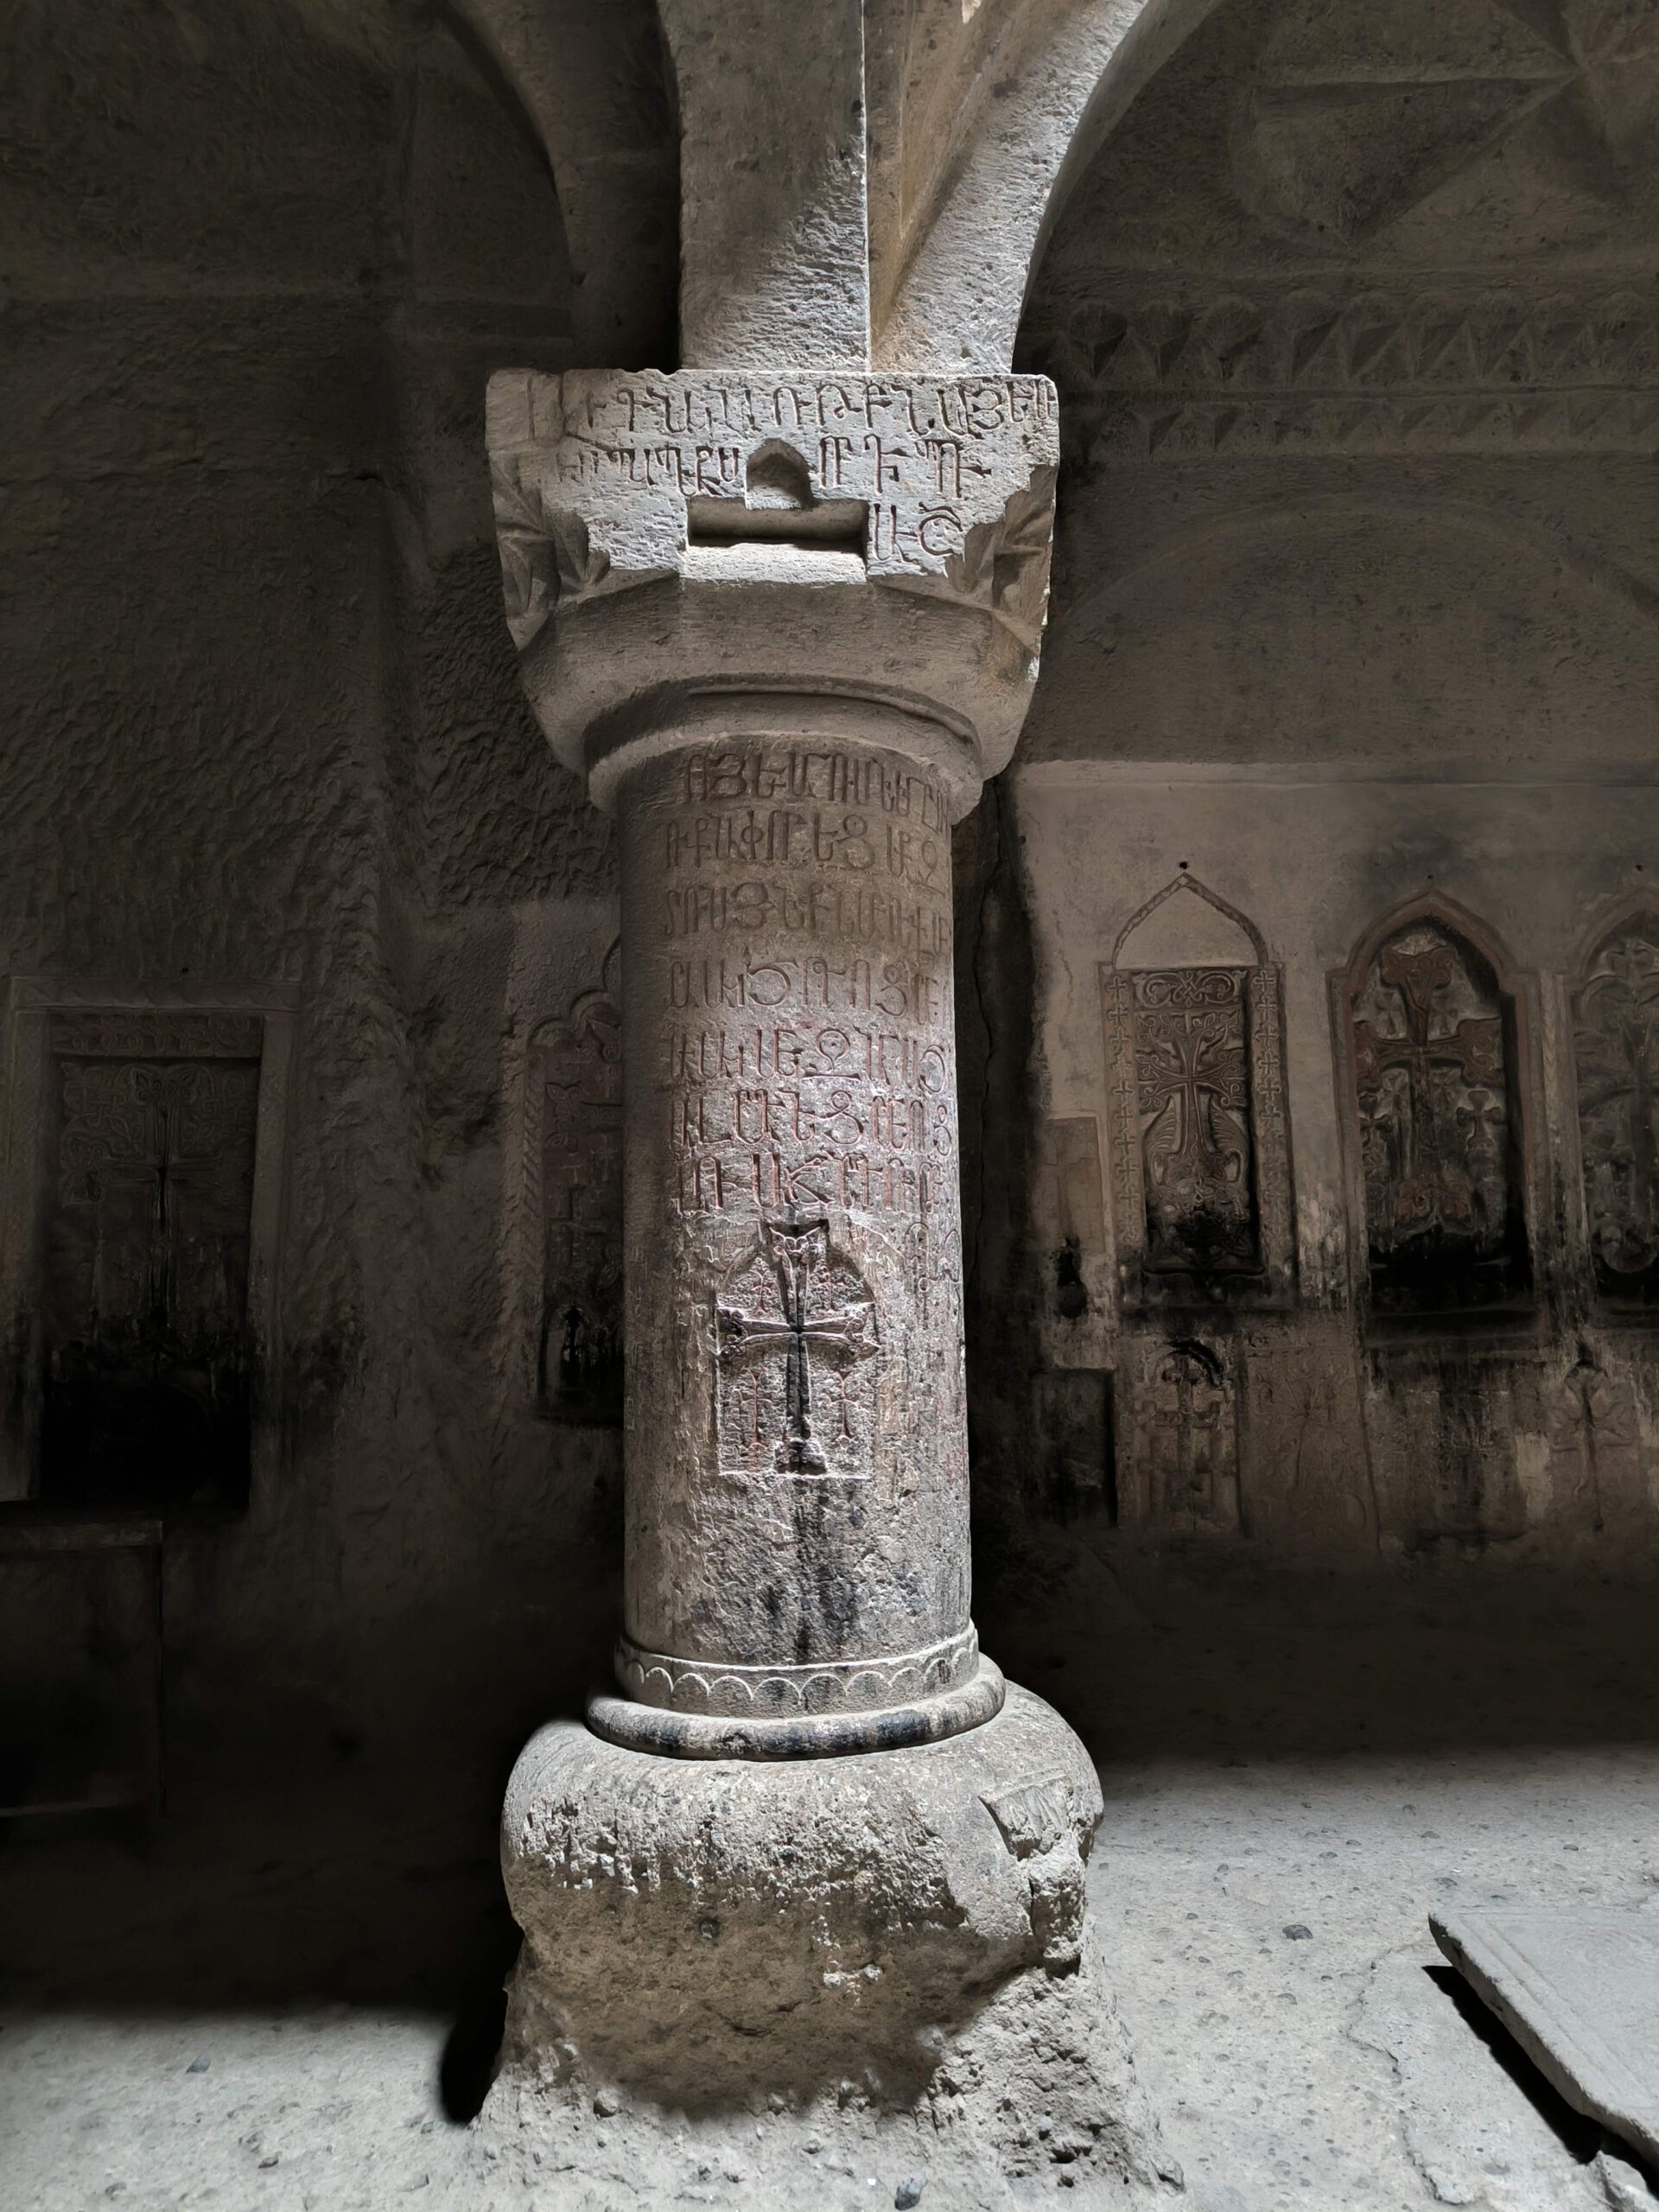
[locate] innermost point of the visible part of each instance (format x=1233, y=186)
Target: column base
x=760, y=1983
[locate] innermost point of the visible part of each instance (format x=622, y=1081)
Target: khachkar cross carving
x=1432, y=1106
x=799, y=1304
x=1616, y=1035
x=1192, y=1066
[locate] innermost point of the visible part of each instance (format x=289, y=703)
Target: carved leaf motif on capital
x=595, y=473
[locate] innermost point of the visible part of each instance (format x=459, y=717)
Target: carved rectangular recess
x=143, y=1193
x=1201, y=1189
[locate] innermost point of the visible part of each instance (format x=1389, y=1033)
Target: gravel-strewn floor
x=1296, y=1771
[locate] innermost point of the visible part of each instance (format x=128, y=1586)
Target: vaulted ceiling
x=1399, y=135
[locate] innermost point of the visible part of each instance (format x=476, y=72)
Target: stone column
x=796, y=1442
x=810, y=1857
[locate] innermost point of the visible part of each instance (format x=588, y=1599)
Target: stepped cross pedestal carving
x=798, y=1254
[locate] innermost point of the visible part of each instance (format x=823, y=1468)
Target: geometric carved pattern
x=1431, y=1035
x=1200, y=1140
x=575, y=1085
x=1321, y=369
x=701, y=1686
x=1616, y=1036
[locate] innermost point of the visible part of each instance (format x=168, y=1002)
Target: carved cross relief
x=1201, y=1191
x=1434, y=1089
x=1616, y=1035
x=794, y=1317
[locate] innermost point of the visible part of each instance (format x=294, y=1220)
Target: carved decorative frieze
x=1616, y=1038
x=852, y=1685
x=1331, y=369
x=574, y=1073
x=146, y=1177
x=1439, y=1123
x=1200, y=1148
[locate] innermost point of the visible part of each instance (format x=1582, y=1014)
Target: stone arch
x=1433, y=1042
x=1615, y=1008
x=595, y=81
x=1197, y=1119
x=1064, y=77
x=1142, y=918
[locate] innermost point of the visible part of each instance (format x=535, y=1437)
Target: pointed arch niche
x=1433, y=1036
x=1615, y=1053
x=1200, y=1141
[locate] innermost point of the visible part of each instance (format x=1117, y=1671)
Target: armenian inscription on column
x=793, y=1213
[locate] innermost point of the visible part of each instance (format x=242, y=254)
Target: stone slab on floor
x=1579, y=1989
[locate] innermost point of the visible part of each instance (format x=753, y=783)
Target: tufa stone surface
x=1579, y=1989
x=894, y=1943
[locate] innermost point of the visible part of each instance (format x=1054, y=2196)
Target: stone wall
x=1335, y=811
x=268, y=748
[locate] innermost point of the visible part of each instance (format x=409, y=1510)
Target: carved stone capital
x=664, y=537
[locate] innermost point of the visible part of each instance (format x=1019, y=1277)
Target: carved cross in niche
x=1617, y=1041
x=1431, y=1188
x=799, y=1253
x=165, y=1136
x=1192, y=1069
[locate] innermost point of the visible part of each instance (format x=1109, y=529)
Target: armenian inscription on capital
x=807, y=1024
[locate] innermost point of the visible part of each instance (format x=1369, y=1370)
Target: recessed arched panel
x=1616, y=1049
x=1438, y=1117
x=1200, y=1147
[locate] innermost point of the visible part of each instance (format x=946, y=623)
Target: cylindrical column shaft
x=798, y=1546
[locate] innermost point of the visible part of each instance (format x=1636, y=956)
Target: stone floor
x=1297, y=1770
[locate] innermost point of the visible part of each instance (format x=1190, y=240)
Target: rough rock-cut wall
x=267, y=762
x=1339, y=1212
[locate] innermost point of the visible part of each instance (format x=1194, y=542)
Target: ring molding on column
x=927, y=1719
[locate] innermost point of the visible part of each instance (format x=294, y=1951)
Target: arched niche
x=1196, y=1116
x=1432, y=1040
x=1615, y=1054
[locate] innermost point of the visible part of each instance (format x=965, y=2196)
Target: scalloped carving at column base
x=805, y=1735
x=773, y=1693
